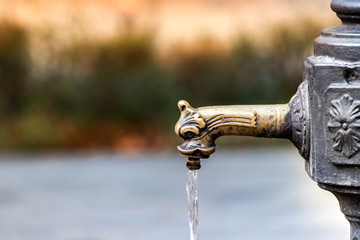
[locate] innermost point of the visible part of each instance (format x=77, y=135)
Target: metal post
x=333, y=77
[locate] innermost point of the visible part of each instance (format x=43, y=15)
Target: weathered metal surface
x=333, y=115
x=300, y=125
x=334, y=96
x=349, y=199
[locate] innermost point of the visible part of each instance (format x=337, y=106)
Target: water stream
x=191, y=189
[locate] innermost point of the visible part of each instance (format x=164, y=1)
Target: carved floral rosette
x=344, y=125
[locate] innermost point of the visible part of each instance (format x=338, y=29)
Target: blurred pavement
x=243, y=195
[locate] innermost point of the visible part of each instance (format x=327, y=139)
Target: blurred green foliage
x=123, y=82
x=14, y=68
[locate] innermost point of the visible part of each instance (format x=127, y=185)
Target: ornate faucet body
x=200, y=127
x=322, y=119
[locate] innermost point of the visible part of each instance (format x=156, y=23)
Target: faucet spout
x=200, y=127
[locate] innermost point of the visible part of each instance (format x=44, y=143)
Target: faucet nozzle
x=193, y=163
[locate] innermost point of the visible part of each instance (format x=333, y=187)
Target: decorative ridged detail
x=222, y=120
x=299, y=120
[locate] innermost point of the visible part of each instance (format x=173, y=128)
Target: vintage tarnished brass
x=200, y=127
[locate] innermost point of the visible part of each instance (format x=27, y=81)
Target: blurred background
x=108, y=74
x=89, y=86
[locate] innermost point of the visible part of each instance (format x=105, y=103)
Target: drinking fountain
x=322, y=119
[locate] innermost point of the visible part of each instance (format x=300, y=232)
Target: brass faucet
x=200, y=127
